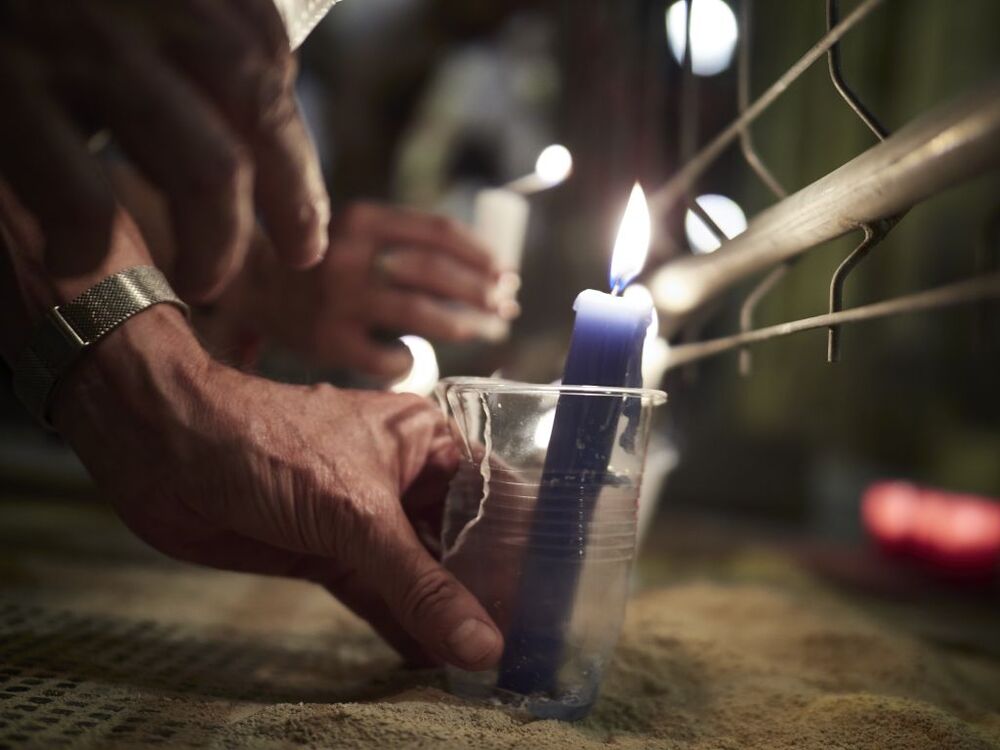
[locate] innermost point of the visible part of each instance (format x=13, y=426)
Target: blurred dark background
x=424, y=101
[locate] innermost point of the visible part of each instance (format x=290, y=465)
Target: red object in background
x=954, y=533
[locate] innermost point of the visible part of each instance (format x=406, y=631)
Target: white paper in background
x=301, y=17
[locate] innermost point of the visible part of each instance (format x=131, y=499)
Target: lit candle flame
x=632, y=244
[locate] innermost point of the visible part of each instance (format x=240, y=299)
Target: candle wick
x=617, y=288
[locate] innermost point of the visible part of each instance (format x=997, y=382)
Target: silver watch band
x=67, y=330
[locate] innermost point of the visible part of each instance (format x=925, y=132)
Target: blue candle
x=605, y=350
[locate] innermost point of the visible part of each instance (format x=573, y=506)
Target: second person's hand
x=388, y=270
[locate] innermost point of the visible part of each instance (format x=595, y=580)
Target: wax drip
x=633, y=406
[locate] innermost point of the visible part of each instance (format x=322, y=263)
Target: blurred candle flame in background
x=554, y=164
x=424, y=371
x=727, y=215
x=714, y=34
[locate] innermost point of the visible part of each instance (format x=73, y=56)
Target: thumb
x=432, y=606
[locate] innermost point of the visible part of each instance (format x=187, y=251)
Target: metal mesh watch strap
x=67, y=330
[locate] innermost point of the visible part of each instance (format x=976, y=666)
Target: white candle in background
x=501, y=223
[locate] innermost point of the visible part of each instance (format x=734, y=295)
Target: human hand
x=388, y=270
x=220, y=468
x=197, y=94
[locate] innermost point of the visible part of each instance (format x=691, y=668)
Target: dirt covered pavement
x=103, y=644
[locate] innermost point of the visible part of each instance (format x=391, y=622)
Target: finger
x=49, y=169
x=251, y=77
x=266, y=23
x=430, y=603
x=423, y=499
x=420, y=595
x=404, y=226
x=363, y=353
x=413, y=312
x=182, y=146
x=435, y=273
x=226, y=550
x=369, y=606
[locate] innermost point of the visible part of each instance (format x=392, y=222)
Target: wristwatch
x=67, y=331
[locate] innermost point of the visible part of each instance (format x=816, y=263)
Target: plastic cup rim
x=496, y=385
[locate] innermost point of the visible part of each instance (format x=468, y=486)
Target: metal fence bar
x=837, y=76
x=874, y=233
x=756, y=163
x=681, y=183
x=743, y=101
x=963, y=292
x=948, y=145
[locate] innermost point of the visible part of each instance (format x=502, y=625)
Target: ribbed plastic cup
x=547, y=552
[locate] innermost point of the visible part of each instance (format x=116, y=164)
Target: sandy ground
x=115, y=647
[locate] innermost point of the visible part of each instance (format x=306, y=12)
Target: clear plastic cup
x=540, y=525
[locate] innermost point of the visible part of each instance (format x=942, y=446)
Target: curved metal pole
x=946, y=146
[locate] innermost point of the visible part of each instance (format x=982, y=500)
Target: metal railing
x=947, y=146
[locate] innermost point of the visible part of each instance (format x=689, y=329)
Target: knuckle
x=421, y=310
x=384, y=365
x=455, y=331
x=409, y=402
x=270, y=28
x=445, y=225
x=358, y=216
x=268, y=94
x=427, y=595
x=226, y=172
x=89, y=213
x=436, y=267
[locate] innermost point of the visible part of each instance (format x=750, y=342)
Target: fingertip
x=474, y=645
x=508, y=282
x=391, y=361
x=198, y=290
x=202, y=280
x=509, y=309
x=303, y=241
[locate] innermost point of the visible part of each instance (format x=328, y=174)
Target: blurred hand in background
x=389, y=271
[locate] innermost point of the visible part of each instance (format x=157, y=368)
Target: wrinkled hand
x=197, y=94
x=390, y=270
x=217, y=467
